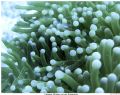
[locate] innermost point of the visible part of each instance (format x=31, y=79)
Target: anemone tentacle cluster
x=64, y=47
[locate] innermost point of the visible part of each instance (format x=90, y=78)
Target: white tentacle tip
x=96, y=64
x=53, y=62
x=60, y=90
x=42, y=51
x=33, y=83
x=37, y=69
x=98, y=13
x=27, y=89
x=72, y=53
x=49, y=68
x=115, y=16
x=99, y=90
x=24, y=59
x=32, y=53
x=75, y=23
x=59, y=74
x=96, y=55
x=12, y=87
x=112, y=77
x=116, y=50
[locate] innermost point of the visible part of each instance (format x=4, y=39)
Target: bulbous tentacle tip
x=12, y=88
x=96, y=64
x=59, y=74
x=24, y=59
x=99, y=90
x=27, y=89
x=60, y=90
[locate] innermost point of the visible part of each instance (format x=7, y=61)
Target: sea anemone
x=64, y=47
